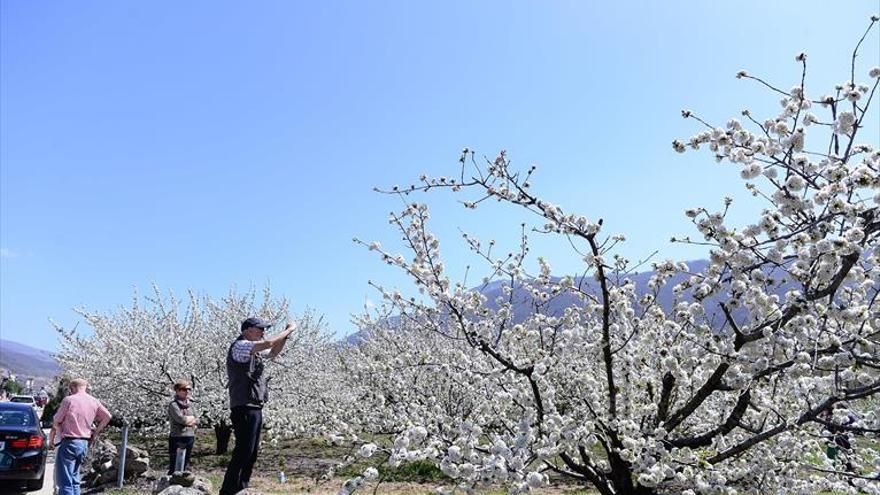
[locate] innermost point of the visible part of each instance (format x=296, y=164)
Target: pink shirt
x=76, y=414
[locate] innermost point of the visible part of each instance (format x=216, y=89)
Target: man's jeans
x=68, y=459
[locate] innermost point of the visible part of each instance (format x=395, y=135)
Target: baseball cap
x=254, y=322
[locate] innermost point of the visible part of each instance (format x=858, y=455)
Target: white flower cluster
x=715, y=378
x=133, y=356
x=722, y=377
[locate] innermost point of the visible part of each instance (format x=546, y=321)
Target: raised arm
x=279, y=345
x=276, y=342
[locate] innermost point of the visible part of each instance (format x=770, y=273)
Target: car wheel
x=34, y=485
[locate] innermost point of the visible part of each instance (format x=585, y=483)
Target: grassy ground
x=304, y=462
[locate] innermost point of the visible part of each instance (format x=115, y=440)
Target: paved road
x=48, y=485
x=49, y=480
x=49, y=476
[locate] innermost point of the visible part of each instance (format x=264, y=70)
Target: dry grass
x=299, y=485
x=304, y=462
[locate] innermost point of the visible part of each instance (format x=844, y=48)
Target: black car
x=23, y=445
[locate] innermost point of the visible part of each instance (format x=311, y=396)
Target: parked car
x=24, y=399
x=23, y=445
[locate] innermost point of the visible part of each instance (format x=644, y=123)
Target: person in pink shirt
x=73, y=424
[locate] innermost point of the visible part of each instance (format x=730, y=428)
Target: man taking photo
x=248, y=392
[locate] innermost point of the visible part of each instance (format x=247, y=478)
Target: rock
x=183, y=478
x=203, y=485
x=137, y=466
x=137, y=461
x=151, y=476
x=103, y=447
x=100, y=454
x=88, y=479
x=104, y=462
x=162, y=483
x=105, y=477
x=179, y=490
x=133, y=455
x=135, y=452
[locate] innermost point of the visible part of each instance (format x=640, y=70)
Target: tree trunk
x=641, y=490
x=622, y=478
x=222, y=432
x=626, y=485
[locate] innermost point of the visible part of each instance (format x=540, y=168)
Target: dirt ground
x=304, y=462
x=261, y=485
x=332, y=487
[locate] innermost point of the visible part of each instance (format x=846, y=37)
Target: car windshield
x=16, y=418
x=21, y=399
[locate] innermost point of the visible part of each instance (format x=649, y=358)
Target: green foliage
x=419, y=471
x=55, y=400
x=11, y=387
x=125, y=490
x=415, y=471
x=219, y=460
x=216, y=479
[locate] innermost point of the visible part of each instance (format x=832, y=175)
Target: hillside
x=26, y=361
x=523, y=305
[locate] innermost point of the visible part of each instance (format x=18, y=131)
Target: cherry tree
x=729, y=388
x=134, y=355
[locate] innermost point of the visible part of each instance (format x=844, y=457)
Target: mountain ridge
x=26, y=361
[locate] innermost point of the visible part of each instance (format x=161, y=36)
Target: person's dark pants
x=175, y=443
x=246, y=425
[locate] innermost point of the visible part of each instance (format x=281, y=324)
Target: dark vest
x=247, y=385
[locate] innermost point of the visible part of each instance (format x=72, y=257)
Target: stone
x=151, y=476
x=203, y=485
x=136, y=465
x=104, y=446
x=100, y=454
x=136, y=460
x=104, y=477
x=104, y=462
x=183, y=478
x=162, y=483
x=179, y=490
x=135, y=452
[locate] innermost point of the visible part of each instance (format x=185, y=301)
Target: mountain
x=523, y=304
x=28, y=362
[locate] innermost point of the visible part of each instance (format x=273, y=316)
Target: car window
x=16, y=418
x=21, y=399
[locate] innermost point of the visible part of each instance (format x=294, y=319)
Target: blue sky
x=208, y=145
